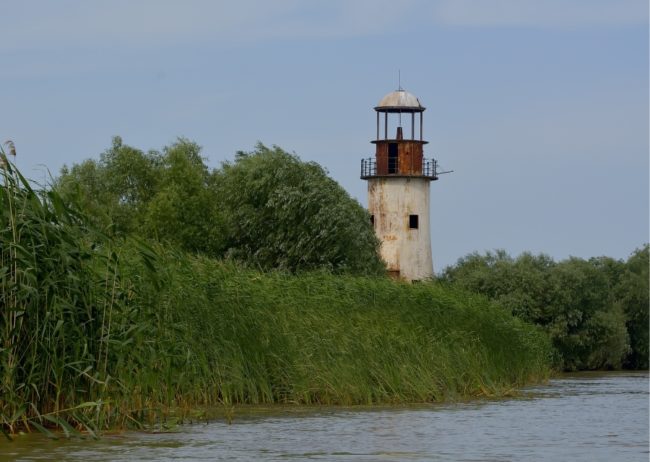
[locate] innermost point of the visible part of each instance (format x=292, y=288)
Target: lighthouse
x=399, y=179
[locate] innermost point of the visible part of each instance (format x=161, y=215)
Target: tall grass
x=56, y=303
x=238, y=336
x=98, y=334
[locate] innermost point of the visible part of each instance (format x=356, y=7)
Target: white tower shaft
x=400, y=210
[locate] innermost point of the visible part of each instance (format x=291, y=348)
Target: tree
x=165, y=195
x=115, y=189
x=587, y=326
x=288, y=214
x=520, y=285
x=634, y=296
x=574, y=301
x=185, y=210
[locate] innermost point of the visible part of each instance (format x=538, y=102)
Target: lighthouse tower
x=398, y=187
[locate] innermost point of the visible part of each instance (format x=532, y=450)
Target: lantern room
x=399, y=141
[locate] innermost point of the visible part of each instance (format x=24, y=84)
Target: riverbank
x=183, y=332
x=578, y=417
x=233, y=335
x=99, y=332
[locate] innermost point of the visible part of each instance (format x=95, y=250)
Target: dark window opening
x=392, y=157
x=413, y=221
x=372, y=219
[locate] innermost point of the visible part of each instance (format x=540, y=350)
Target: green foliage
x=185, y=210
x=633, y=294
x=286, y=214
x=234, y=335
x=64, y=314
x=267, y=209
x=115, y=189
x=97, y=333
x=162, y=195
x=587, y=327
x=593, y=310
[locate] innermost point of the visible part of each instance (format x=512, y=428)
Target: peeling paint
x=391, y=201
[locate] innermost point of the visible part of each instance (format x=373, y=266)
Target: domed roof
x=400, y=101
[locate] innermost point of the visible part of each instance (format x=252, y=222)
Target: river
x=580, y=417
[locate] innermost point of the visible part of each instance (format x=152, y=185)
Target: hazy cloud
x=153, y=23
x=541, y=13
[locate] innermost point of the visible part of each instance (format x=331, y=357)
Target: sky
x=540, y=107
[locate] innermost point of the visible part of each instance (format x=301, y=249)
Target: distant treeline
x=99, y=330
x=595, y=311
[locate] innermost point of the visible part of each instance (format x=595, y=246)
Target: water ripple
x=583, y=417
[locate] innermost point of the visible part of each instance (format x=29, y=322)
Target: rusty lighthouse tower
x=399, y=178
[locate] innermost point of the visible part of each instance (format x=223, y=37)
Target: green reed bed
x=58, y=299
x=97, y=334
x=258, y=338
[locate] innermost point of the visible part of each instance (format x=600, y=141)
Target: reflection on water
x=582, y=417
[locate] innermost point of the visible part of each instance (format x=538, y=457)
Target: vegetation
x=595, y=311
x=100, y=332
x=259, y=282
x=60, y=295
x=319, y=338
x=632, y=294
x=267, y=209
x=286, y=214
x=165, y=195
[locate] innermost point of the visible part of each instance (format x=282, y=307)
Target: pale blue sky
x=540, y=107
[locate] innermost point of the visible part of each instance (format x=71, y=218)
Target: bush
x=593, y=310
x=286, y=214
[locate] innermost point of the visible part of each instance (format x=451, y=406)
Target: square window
x=413, y=221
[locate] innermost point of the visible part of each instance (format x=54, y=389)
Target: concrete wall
x=391, y=201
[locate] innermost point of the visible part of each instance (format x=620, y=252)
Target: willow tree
x=288, y=214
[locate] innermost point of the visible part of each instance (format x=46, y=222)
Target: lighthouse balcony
x=428, y=168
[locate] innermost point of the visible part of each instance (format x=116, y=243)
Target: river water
x=582, y=417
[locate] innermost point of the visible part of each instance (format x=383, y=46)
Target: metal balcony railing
x=430, y=168
x=369, y=169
